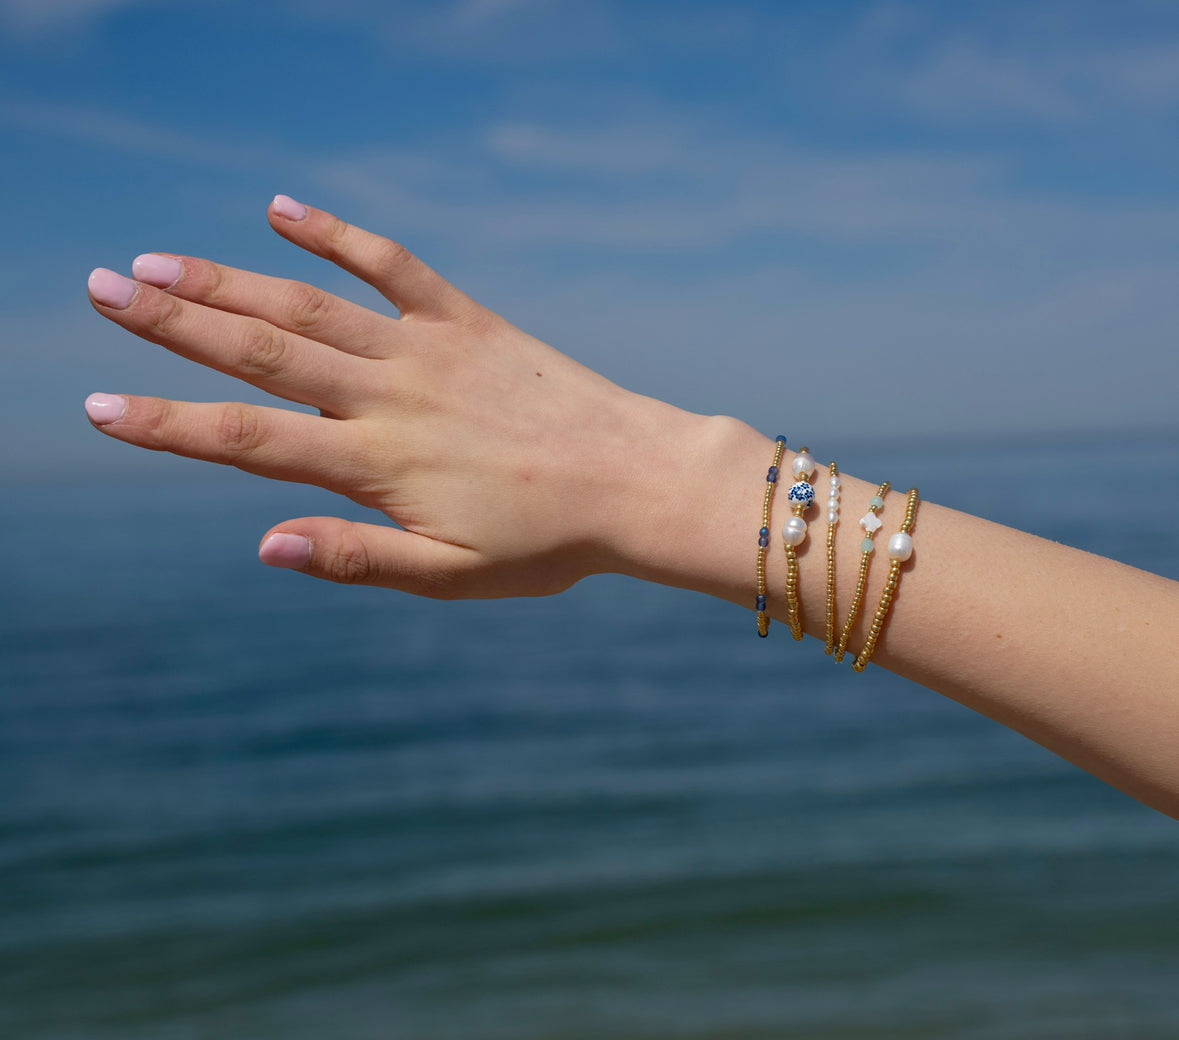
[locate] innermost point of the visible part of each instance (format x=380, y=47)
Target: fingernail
x=287, y=207
x=285, y=550
x=104, y=409
x=111, y=289
x=160, y=271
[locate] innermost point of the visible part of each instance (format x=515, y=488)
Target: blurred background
x=240, y=803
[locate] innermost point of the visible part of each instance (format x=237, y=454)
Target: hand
x=508, y=466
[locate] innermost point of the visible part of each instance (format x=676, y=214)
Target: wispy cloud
x=31, y=18
x=960, y=81
x=134, y=137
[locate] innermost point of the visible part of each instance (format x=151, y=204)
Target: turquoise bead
x=868, y=545
x=877, y=503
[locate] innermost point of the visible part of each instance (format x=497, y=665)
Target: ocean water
x=235, y=802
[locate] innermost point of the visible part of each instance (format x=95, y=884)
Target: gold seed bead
x=862, y=584
x=890, y=588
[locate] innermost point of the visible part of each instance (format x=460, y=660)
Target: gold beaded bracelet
x=900, y=548
x=832, y=527
x=802, y=497
x=763, y=538
x=871, y=524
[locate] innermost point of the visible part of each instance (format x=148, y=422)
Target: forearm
x=1077, y=652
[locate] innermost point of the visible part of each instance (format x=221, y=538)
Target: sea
x=238, y=802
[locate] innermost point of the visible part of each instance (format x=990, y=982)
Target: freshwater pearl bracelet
x=871, y=524
x=900, y=548
x=832, y=527
x=802, y=497
x=763, y=537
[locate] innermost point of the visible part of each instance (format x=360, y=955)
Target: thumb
x=367, y=554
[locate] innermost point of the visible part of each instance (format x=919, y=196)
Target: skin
x=577, y=476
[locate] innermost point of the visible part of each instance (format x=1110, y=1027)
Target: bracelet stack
x=794, y=532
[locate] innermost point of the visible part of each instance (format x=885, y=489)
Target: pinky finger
x=271, y=442
x=367, y=554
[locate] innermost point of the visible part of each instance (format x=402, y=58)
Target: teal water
x=240, y=803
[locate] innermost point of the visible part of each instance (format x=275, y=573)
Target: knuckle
x=214, y=285
x=337, y=234
x=392, y=256
x=155, y=421
x=307, y=308
x=239, y=431
x=168, y=316
x=350, y=563
x=263, y=350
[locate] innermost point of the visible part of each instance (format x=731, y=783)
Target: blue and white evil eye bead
x=802, y=494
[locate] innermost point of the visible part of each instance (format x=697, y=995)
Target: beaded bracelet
x=832, y=527
x=900, y=548
x=871, y=524
x=763, y=538
x=802, y=497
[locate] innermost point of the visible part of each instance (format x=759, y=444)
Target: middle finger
x=279, y=362
x=293, y=306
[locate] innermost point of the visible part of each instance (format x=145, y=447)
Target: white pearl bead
x=833, y=501
x=835, y=482
x=900, y=546
x=794, y=533
x=803, y=465
x=832, y=516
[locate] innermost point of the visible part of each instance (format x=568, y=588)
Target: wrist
x=693, y=496
x=693, y=507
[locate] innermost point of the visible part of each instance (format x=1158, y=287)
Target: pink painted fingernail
x=111, y=289
x=287, y=207
x=285, y=550
x=105, y=409
x=160, y=271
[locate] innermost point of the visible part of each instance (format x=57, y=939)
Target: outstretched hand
x=506, y=464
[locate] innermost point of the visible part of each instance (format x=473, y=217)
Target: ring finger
x=271, y=442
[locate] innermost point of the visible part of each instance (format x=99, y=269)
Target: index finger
x=409, y=284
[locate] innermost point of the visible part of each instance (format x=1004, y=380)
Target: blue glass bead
x=772, y=476
x=761, y=603
x=781, y=438
x=763, y=540
x=764, y=531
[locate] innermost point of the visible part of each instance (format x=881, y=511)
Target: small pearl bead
x=803, y=465
x=832, y=516
x=900, y=546
x=835, y=482
x=794, y=533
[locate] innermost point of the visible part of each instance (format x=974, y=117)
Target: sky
x=835, y=220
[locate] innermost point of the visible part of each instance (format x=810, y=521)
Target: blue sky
x=836, y=219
